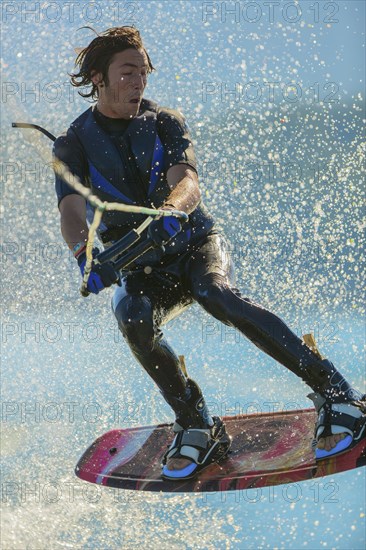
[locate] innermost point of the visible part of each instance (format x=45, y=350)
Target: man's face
x=127, y=76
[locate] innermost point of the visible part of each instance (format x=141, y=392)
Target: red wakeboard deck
x=267, y=449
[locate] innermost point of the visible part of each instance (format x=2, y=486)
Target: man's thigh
x=210, y=262
x=164, y=291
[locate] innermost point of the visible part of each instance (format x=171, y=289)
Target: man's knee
x=214, y=297
x=135, y=320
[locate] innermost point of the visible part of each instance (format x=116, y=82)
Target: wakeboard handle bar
x=132, y=255
x=131, y=238
x=128, y=258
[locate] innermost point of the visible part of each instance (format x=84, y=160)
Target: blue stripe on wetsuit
x=100, y=182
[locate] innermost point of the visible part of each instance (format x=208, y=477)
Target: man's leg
x=140, y=306
x=139, y=310
x=211, y=277
x=136, y=311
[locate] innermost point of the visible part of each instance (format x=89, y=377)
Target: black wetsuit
x=201, y=270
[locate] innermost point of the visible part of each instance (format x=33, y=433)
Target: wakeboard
x=267, y=449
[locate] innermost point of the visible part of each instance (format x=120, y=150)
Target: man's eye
x=144, y=75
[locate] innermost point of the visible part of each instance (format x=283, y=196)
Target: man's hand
x=162, y=230
x=101, y=275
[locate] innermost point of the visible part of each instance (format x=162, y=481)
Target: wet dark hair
x=97, y=57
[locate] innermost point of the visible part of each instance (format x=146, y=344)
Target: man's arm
x=179, y=160
x=72, y=206
x=74, y=228
x=183, y=182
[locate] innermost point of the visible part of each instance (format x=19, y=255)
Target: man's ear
x=97, y=78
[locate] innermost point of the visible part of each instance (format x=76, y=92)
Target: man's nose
x=139, y=81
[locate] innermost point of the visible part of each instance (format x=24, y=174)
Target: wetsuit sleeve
x=68, y=149
x=175, y=137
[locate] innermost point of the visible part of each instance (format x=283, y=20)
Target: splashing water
x=275, y=104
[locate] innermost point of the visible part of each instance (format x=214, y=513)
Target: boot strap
x=191, y=443
x=336, y=418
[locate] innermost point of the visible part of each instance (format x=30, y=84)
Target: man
x=128, y=149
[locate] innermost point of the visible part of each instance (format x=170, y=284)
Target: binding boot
x=200, y=438
x=339, y=418
x=341, y=409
